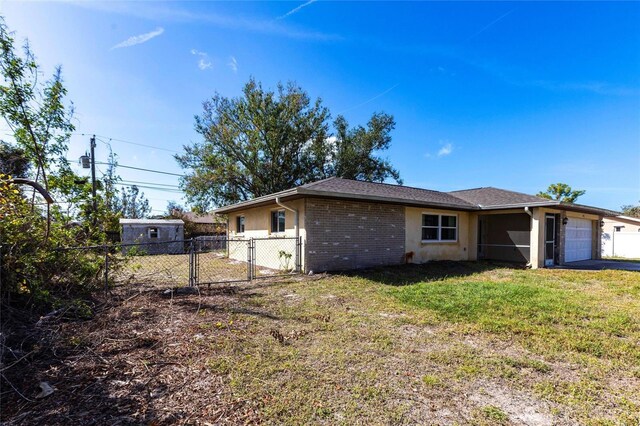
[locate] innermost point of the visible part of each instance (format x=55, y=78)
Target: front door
x=549, y=240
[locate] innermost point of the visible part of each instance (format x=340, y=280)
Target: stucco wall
x=343, y=235
x=258, y=225
x=435, y=250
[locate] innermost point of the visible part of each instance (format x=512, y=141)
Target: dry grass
x=172, y=270
x=448, y=343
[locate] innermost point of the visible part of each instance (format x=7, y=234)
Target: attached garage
x=578, y=239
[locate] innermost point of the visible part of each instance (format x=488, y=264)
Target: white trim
x=271, y=231
x=244, y=224
x=439, y=227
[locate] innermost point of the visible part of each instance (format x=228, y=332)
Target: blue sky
x=513, y=95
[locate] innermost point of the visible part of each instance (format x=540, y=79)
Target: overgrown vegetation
x=442, y=343
x=36, y=272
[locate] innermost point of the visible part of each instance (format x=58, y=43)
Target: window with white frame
x=439, y=227
x=240, y=224
x=277, y=221
x=153, y=232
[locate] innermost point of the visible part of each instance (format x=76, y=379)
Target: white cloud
x=296, y=9
x=167, y=12
x=139, y=39
x=233, y=64
x=445, y=150
x=203, y=62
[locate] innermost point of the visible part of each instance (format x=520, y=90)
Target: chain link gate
x=223, y=261
x=195, y=262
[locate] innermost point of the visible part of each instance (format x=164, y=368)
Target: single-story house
x=201, y=224
x=621, y=237
x=348, y=224
x=152, y=236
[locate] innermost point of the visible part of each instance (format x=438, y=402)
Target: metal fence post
x=254, y=257
x=106, y=270
x=249, y=259
x=191, y=264
x=299, y=254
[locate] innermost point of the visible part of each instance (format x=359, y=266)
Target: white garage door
x=578, y=239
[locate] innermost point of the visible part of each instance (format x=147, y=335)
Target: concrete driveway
x=597, y=265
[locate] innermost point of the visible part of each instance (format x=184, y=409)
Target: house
x=621, y=237
x=348, y=224
x=152, y=236
x=197, y=225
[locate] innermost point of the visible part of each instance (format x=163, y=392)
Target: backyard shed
x=153, y=236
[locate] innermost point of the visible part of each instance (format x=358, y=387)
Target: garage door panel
x=578, y=239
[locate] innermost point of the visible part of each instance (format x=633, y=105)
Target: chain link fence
x=205, y=260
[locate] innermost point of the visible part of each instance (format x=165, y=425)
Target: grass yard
x=445, y=343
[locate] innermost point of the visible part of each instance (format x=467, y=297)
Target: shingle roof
x=200, y=218
x=490, y=197
x=471, y=199
x=371, y=190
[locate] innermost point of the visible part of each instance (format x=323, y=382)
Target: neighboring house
x=347, y=224
x=621, y=237
x=198, y=225
x=153, y=236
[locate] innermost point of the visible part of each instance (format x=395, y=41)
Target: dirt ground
x=322, y=350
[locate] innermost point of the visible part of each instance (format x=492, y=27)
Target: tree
x=13, y=160
x=355, y=148
x=631, y=210
x=132, y=203
x=34, y=270
x=174, y=210
x=34, y=111
x=561, y=192
x=265, y=142
x=37, y=116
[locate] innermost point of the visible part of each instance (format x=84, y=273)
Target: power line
x=135, y=182
x=175, y=191
x=139, y=168
x=130, y=142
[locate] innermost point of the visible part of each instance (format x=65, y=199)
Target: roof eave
x=256, y=202
x=520, y=205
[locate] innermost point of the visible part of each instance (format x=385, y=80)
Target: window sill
x=439, y=242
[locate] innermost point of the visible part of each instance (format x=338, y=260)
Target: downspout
x=296, y=224
x=528, y=211
x=295, y=212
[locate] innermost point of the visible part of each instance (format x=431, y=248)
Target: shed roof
x=151, y=222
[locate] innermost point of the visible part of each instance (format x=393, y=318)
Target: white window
x=153, y=232
x=240, y=224
x=439, y=227
x=277, y=221
x=618, y=228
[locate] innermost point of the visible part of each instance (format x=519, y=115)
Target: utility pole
x=93, y=179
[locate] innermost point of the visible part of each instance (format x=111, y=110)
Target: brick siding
x=350, y=235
